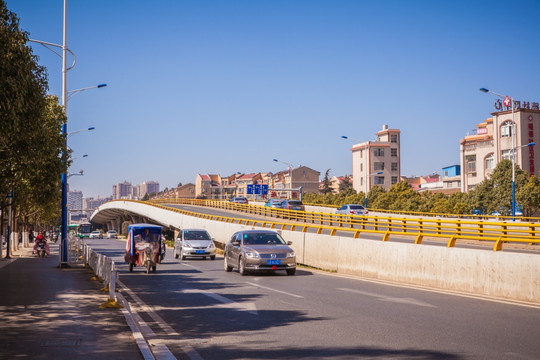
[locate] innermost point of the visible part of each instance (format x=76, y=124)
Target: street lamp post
x=65, y=93
x=290, y=166
x=369, y=175
x=511, y=100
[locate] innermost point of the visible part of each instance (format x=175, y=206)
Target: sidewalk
x=52, y=313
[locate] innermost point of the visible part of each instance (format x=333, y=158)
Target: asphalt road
x=199, y=311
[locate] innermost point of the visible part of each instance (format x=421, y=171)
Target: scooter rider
x=38, y=239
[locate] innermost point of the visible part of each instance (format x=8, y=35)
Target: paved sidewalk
x=52, y=313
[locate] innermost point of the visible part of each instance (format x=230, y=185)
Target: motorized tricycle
x=143, y=246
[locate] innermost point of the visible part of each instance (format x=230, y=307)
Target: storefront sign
x=505, y=105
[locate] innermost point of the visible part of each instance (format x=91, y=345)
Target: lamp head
x=344, y=137
x=484, y=90
x=101, y=85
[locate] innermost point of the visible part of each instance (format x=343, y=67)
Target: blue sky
x=226, y=86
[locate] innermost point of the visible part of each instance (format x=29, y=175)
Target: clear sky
x=226, y=86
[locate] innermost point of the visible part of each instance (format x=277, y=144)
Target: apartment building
x=147, y=187
x=507, y=132
x=377, y=162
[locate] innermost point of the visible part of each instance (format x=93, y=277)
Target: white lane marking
x=143, y=307
x=409, y=301
x=228, y=303
x=135, y=330
x=275, y=290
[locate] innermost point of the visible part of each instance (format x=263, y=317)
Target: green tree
x=528, y=196
x=30, y=126
x=346, y=185
x=326, y=183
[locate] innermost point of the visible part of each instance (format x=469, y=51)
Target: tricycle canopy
x=139, y=237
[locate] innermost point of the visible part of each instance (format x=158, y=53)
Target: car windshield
x=295, y=203
x=356, y=207
x=263, y=239
x=196, y=235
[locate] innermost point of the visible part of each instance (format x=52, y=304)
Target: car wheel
x=213, y=257
x=291, y=271
x=241, y=266
x=226, y=264
x=175, y=254
x=183, y=257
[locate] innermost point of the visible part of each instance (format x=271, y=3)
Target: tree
x=528, y=196
x=326, y=184
x=30, y=126
x=346, y=184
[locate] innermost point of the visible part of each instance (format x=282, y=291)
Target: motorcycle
x=40, y=248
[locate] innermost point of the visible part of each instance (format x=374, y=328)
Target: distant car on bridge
x=274, y=203
x=239, y=200
x=352, y=209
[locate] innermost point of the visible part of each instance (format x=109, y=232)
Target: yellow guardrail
x=435, y=214
x=450, y=229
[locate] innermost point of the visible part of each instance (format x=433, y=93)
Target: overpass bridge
x=348, y=249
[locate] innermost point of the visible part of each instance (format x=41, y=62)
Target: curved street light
x=78, y=131
x=64, y=230
x=290, y=166
x=78, y=157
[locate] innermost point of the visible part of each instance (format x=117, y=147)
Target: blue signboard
x=250, y=189
x=264, y=189
x=257, y=189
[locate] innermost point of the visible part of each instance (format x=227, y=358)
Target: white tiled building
x=377, y=162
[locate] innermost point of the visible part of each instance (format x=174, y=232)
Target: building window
x=379, y=180
x=361, y=167
x=361, y=154
x=490, y=162
x=506, y=129
x=393, y=138
x=506, y=154
x=393, y=152
x=361, y=181
x=378, y=166
x=378, y=152
x=394, y=166
x=394, y=180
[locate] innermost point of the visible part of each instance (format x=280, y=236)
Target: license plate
x=199, y=251
x=273, y=262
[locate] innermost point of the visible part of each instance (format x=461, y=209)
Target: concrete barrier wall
x=492, y=273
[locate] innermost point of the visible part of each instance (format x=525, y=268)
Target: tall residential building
x=75, y=202
x=90, y=204
x=147, y=187
x=495, y=140
x=122, y=191
x=377, y=162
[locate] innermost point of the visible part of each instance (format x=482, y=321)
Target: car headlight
x=211, y=246
x=187, y=245
x=291, y=254
x=252, y=254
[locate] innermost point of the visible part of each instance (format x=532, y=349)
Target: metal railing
x=450, y=229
